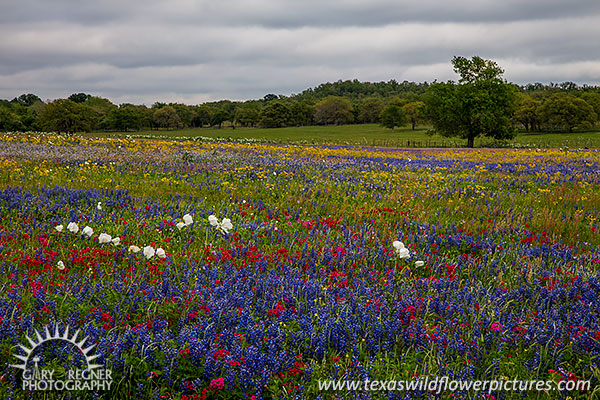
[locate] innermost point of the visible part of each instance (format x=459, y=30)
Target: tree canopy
x=563, y=111
x=27, y=100
x=64, y=115
x=334, y=110
x=528, y=112
x=414, y=112
x=393, y=115
x=370, y=110
x=166, y=117
x=275, y=114
x=482, y=103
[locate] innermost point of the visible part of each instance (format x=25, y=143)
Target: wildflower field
x=252, y=271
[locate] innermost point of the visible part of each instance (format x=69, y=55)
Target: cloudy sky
x=192, y=51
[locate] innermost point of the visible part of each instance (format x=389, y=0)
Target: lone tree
x=482, y=103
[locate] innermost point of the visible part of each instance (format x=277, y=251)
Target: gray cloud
x=293, y=13
x=195, y=51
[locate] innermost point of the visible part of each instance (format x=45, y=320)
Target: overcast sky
x=194, y=51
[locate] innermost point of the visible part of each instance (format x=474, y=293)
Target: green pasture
x=369, y=135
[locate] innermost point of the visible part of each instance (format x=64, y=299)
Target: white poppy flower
x=88, y=231
x=59, y=228
x=149, y=252
x=180, y=225
x=226, y=225
x=187, y=219
x=60, y=265
x=134, y=249
x=213, y=220
x=116, y=241
x=161, y=253
x=398, y=245
x=104, y=238
x=99, y=206
x=419, y=263
x=403, y=253
x=72, y=227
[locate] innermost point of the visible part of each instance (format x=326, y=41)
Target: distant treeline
x=564, y=106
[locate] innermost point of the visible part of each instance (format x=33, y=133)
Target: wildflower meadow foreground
x=248, y=271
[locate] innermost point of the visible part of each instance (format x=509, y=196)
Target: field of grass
x=256, y=271
x=370, y=135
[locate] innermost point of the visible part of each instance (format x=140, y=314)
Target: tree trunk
x=413, y=126
x=471, y=142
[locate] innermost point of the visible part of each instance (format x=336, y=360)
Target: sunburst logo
x=56, y=336
x=94, y=377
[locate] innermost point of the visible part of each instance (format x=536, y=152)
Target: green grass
x=369, y=135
